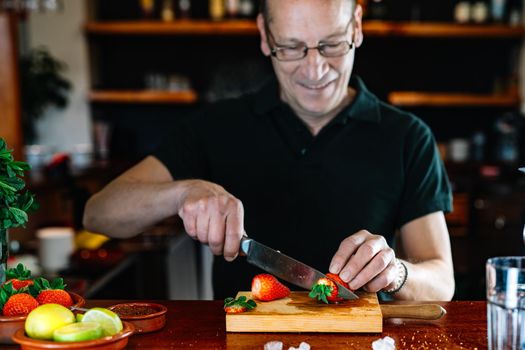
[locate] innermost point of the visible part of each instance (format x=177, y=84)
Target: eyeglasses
x=298, y=52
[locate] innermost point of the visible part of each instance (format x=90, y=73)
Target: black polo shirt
x=372, y=167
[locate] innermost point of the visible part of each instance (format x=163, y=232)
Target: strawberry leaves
x=320, y=292
x=41, y=284
x=19, y=272
x=241, y=304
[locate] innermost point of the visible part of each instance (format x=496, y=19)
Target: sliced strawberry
x=241, y=304
x=337, y=279
x=266, y=287
x=20, y=277
x=325, y=290
x=19, y=284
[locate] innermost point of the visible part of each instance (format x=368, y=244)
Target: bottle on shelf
x=462, y=11
x=515, y=12
x=147, y=7
x=216, y=9
x=507, y=132
x=184, y=8
x=167, y=14
x=232, y=8
x=246, y=8
x=497, y=10
x=479, y=12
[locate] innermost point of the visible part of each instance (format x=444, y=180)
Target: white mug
x=56, y=244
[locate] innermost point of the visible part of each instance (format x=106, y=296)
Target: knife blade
x=285, y=267
x=522, y=169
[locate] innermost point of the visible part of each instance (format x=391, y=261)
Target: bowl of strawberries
x=20, y=294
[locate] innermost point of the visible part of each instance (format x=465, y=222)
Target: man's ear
x=358, y=25
x=265, y=47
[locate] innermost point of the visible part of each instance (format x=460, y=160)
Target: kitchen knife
x=285, y=267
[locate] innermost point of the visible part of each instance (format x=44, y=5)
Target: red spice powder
x=134, y=310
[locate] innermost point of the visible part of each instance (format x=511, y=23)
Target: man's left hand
x=365, y=260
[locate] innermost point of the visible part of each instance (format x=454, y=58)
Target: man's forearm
x=124, y=209
x=428, y=280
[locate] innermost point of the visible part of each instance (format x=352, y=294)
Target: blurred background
x=88, y=87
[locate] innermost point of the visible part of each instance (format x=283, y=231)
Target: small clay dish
x=115, y=342
x=10, y=324
x=146, y=317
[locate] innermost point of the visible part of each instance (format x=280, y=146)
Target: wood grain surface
x=300, y=313
x=198, y=324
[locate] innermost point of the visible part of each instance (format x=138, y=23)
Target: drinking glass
x=506, y=303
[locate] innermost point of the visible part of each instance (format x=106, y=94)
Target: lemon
x=78, y=332
x=43, y=320
x=110, y=322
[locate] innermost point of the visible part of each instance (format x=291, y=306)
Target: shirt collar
x=365, y=105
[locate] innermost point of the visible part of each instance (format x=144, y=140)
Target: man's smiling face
x=315, y=85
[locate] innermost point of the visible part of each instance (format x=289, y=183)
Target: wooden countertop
x=201, y=325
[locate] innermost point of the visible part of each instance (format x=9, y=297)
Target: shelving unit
x=434, y=99
x=248, y=27
x=143, y=97
x=179, y=27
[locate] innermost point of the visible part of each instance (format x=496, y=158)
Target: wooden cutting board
x=300, y=313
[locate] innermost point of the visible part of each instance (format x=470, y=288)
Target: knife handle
x=243, y=245
x=422, y=311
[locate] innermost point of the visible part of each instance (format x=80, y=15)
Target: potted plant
x=42, y=85
x=15, y=203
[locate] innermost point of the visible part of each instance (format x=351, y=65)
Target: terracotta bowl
x=148, y=317
x=10, y=324
x=115, y=342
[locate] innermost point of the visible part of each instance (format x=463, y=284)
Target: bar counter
x=201, y=325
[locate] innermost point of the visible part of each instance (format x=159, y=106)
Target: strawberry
x=266, y=287
x=15, y=302
x=19, y=277
x=51, y=293
x=325, y=290
x=337, y=279
x=19, y=304
x=241, y=304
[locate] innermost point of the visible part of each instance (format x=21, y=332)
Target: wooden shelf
x=248, y=27
x=445, y=30
x=180, y=27
x=142, y=97
x=432, y=99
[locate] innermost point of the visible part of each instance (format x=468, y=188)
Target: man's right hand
x=213, y=216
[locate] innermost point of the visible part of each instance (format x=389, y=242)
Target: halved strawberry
x=325, y=290
x=266, y=287
x=19, y=277
x=15, y=302
x=337, y=279
x=51, y=293
x=241, y=304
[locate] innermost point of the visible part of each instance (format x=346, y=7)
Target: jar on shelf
x=216, y=8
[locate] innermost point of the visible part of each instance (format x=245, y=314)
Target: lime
x=78, y=332
x=110, y=322
x=79, y=317
x=43, y=320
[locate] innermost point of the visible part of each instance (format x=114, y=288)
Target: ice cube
x=273, y=345
x=385, y=343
